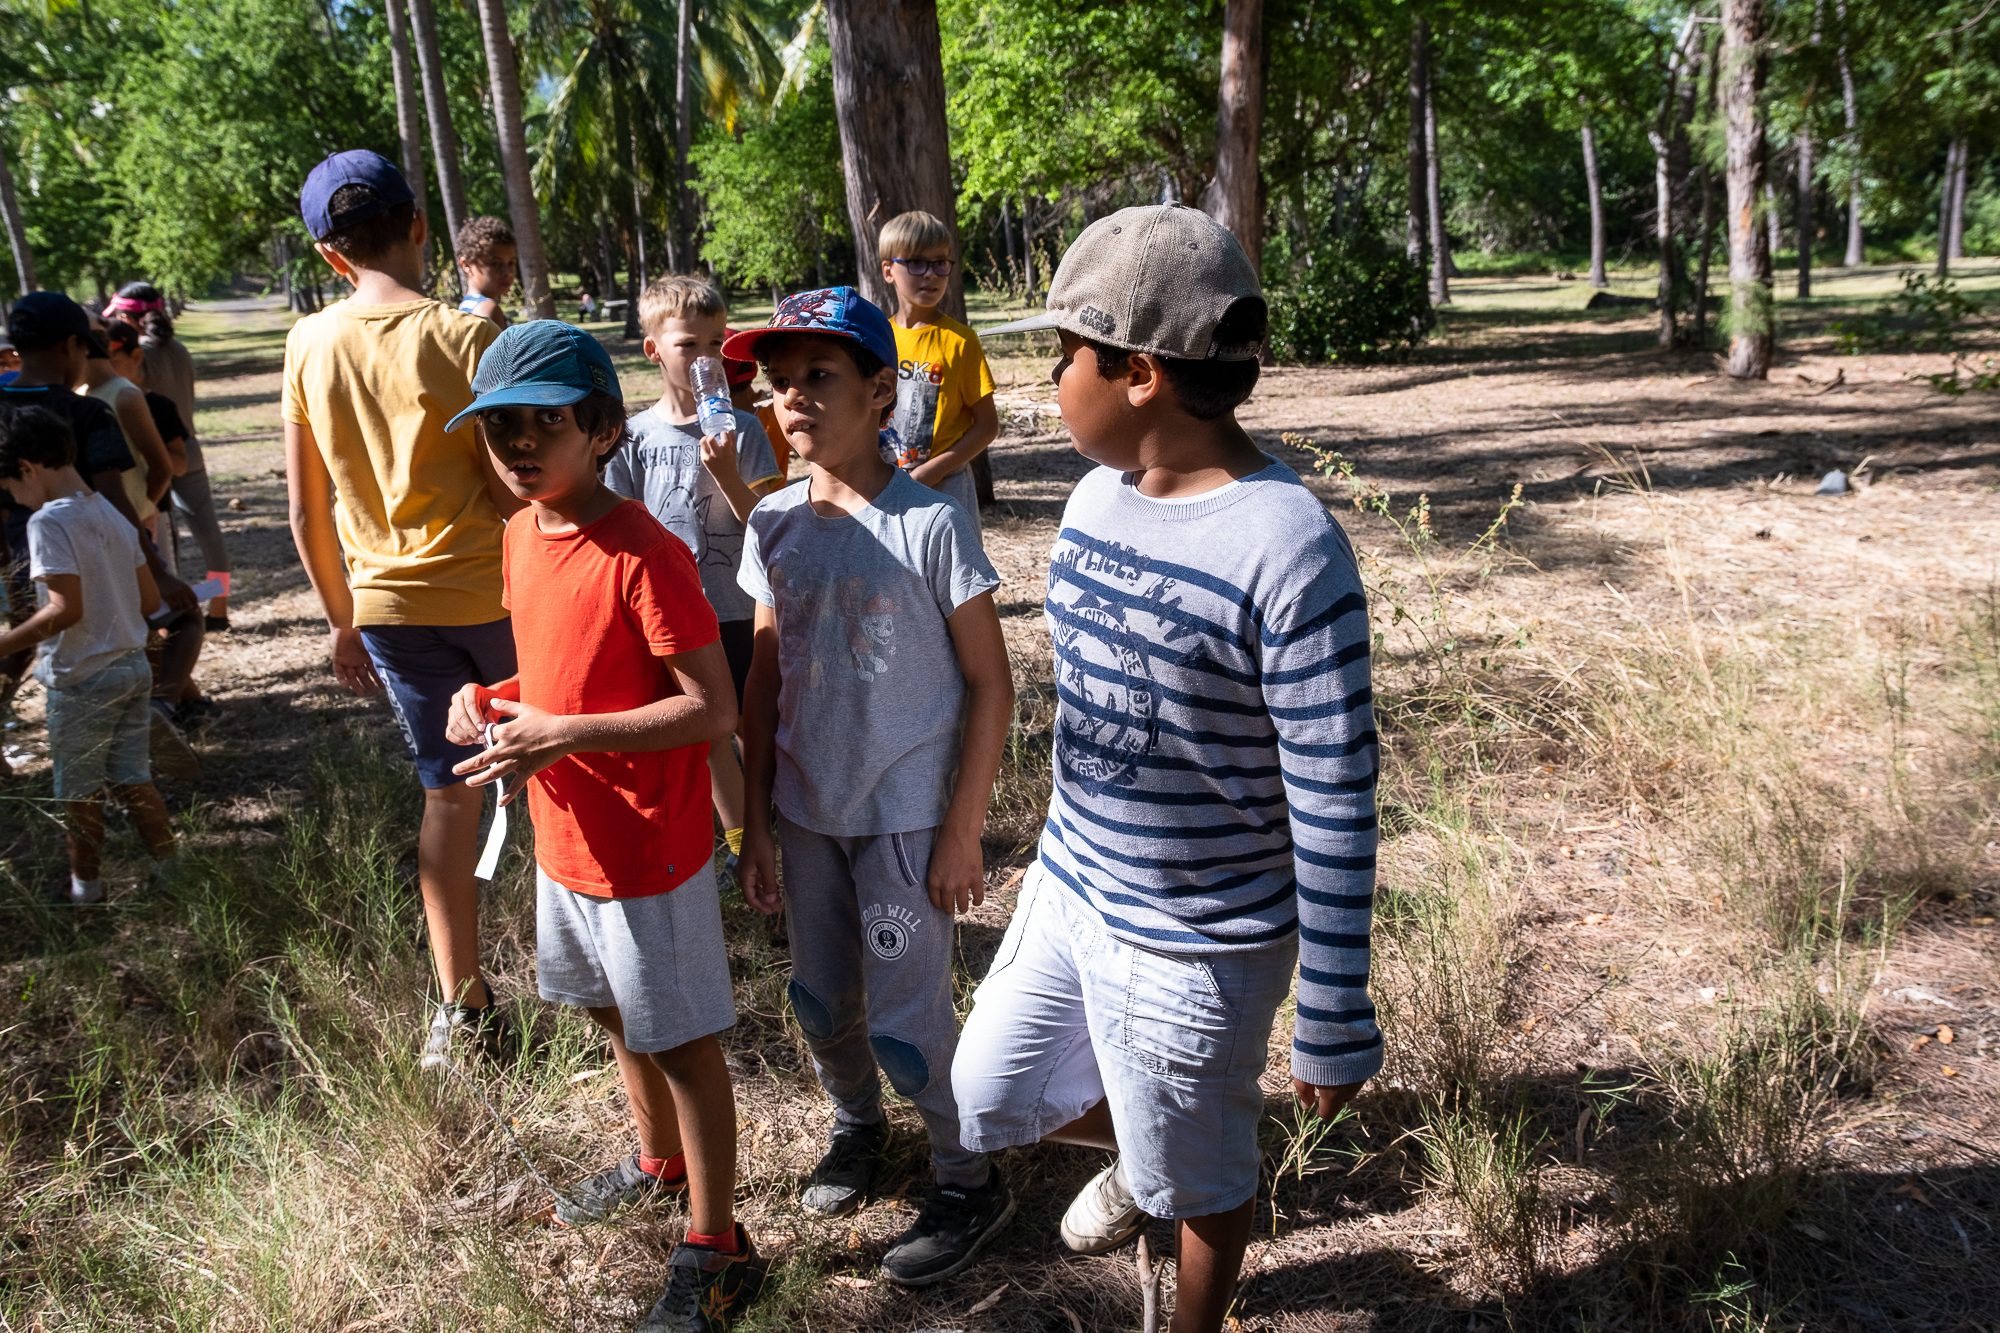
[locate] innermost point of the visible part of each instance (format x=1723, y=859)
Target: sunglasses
x=924, y=268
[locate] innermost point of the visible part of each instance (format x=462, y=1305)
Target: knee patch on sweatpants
x=815, y=1019
x=909, y=1073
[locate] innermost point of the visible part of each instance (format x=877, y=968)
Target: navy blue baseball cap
x=356, y=166
x=543, y=363
x=838, y=312
x=48, y=315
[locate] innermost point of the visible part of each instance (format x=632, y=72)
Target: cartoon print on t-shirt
x=827, y=623
x=870, y=623
x=915, y=422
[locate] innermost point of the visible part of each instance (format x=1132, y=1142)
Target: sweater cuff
x=1335, y=1071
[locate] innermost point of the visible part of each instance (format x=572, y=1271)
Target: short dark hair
x=866, y=363
x=1204, y=389
x=374, y=236
x=39, y=340
x=481, y=239
x=122, y=334
x=33, y=435
x=599, y=413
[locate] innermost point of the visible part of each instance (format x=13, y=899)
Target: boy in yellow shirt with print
x=945, y=415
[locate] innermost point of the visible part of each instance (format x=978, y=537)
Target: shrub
x=1355, y=299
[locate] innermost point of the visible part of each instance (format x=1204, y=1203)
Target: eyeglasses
x=924, y=268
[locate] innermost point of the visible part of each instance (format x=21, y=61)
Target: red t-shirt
x=594, y=612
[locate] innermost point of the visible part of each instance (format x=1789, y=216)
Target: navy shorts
x=739, y=639
x=423, y=666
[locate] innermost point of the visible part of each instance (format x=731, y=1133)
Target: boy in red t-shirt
x=623, y=684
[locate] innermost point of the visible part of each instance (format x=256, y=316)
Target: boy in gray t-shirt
x=94, y=592
x=702, y=489
x=877, y=706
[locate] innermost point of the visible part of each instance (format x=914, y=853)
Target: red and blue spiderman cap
x=835, y=312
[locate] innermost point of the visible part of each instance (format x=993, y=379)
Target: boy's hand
x=718, y=453
x=352, y=666
x=1324, y=1101
x=526, y=743
x=957, y=877
x=757, y=872
x=465, y=724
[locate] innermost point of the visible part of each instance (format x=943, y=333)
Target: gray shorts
x=101, y=728
x=659, y=961
x=1070, y=1015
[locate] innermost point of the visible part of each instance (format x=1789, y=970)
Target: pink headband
x=135, y=305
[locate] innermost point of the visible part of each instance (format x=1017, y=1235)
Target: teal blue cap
x=543, y=363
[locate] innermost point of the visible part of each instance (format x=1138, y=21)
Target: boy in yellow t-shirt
x=945, y=415
x=398, y=522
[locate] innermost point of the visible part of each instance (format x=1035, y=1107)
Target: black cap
x=46, y=316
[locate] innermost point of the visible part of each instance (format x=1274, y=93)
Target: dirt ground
x=1570, y=407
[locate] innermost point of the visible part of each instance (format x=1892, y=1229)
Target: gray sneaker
x=1104, y=1215
x=839, y=1184
x=606, y=1192
x=493, y=1033
x=954, y=1226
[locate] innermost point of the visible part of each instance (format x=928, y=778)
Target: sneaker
x=725, y=878
x=172, y=756
x=1104, y=1215
x=706, y=1288
x=839, y=1184
x=608, y=1191
x=492, y=1029
x=195, y=716
x=955, y=1224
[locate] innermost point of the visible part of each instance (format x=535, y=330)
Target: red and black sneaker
x=608, y=1191
x=706, y=1288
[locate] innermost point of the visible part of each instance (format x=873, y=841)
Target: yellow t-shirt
x=940, y=373
x=134, y=477
x=376, y=384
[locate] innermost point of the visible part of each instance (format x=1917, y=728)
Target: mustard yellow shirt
x=419, y=530
x=941, y=372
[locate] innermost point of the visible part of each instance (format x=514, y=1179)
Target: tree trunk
x=1805, y=211
x=1670, y=168
x=1434, y=205
x=1028, y=246
x=444, y=141
x=1238, y=124
x=1007, y=232
x=1854, y=254
x=1752, y=332
x=17, y=229
x=1945, y=205
x=888, y=93
x=521, y=206
x=409, y=120
x=608, y=280
x=1418, y=214
x=1597, y=278
x=681, y=260
x=1958, y=184
x=1773, y=221
x=1701, y=264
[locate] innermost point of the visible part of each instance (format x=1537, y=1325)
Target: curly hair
x=481, y=240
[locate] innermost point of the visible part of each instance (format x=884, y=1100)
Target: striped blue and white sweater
x=1215, y=753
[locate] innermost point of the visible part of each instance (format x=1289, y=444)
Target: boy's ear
x=651, y=349
x=336, y=260
x=419, y=230
x=1145, y=378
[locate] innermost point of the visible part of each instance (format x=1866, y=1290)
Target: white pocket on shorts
x=1176, y=1022
x=1017, y=925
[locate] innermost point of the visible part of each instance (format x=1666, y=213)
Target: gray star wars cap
x=1156, y=279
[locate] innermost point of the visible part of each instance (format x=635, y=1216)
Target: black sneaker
x=492, y=1031
x=839, y=1184
x=955, y=1224
x=608, y=1191
x=706, y=1288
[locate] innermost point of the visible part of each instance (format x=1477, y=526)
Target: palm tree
x=526, y=213
x=17, y=229
x=444, y=142
x=409, y=127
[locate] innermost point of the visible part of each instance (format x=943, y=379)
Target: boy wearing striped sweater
x=1213, y=818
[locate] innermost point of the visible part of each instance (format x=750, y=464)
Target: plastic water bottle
x=711, y=391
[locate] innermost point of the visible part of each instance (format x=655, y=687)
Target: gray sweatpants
x=871, y=981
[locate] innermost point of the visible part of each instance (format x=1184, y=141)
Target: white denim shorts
x=1070, y=1015
x=659, y=960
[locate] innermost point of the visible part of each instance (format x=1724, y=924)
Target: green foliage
x=772, y=192
x=1354, y=299
x=1928, y=316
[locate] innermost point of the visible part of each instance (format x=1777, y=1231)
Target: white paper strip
x=496, y=837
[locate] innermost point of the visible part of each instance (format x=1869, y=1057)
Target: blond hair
x=678, y=297
x=908, y=235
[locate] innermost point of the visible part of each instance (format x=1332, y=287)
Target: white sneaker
x=83, y=892
x=1104, y=1215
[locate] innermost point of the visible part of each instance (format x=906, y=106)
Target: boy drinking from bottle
x=701, y=486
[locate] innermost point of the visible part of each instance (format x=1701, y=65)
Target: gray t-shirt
x=83, y=535
x=661, y=468
x=871, y=701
